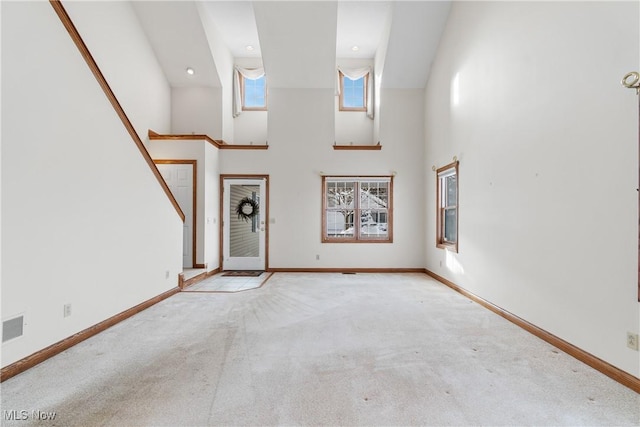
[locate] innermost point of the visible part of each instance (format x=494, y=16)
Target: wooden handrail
x=154, y=136
x=358, y=147
x=244, y=147
x=218, y=143
x=93, y=66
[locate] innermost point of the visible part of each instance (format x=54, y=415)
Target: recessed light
x=249, y=48
x=191, y=71
x=355, y=48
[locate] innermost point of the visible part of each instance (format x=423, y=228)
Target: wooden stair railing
x=93, y=66
x=218, y=143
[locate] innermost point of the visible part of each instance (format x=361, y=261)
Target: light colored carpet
x=319, y=349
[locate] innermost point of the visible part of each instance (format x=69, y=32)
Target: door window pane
x=243, y=240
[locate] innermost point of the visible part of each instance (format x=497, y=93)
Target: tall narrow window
x=357, y=209
x=254, y=93
x=447, y=204
x=353, y=93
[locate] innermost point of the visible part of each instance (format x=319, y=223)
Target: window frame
x=242, y=94
x=441, y=174
x=357, y=238
x=365, y=95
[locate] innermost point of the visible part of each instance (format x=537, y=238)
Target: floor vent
x=348, y=272
x=12, y=328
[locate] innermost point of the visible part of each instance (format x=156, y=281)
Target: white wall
x=548, y=147
x=112, y=32
x=250, y=127
x=352, y=126
x=207, y=194
x=378, y=66
x=212, y=207
x=84, y=220
x=224, y=65
x=196, y=110
x=301, y=132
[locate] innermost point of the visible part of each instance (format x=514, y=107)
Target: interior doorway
x=180, y=176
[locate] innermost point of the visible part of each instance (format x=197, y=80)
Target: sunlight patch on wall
x=452, y=263
x=455, y=90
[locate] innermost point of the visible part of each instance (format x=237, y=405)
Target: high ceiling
x=299, y=42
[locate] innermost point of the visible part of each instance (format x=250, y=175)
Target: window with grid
x=447, y=202
x=254, y=93
x=357, y=209
x=353, y=93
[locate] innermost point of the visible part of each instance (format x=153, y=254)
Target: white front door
x=244, y=224
x=179, y=179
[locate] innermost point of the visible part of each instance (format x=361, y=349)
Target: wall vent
x=12, y=328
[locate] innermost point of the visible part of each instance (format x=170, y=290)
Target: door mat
x=244, y=273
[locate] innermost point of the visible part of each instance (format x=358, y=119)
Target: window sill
x=354, y=109
x=243, y=147
x=453, y=247
x=355, y=241
x=377, y=147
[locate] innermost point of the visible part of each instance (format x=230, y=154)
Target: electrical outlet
x=166, y=274
x=317, y=257
x=67, y=310
x=632, y=341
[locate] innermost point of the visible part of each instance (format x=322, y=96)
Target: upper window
x=353, y=93
x=357, y=209
x=447, y=203
x=254, y=93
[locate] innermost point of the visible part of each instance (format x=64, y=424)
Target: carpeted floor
x=319, y=349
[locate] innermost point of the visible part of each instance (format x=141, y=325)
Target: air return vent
x=12, y=328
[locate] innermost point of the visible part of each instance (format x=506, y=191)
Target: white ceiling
x=178, y=39
x=298, y=41
x=413, y=42
x=361, y=23
x=237, y=24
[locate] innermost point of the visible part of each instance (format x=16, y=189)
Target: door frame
x=266, y=215
x=194, y=164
